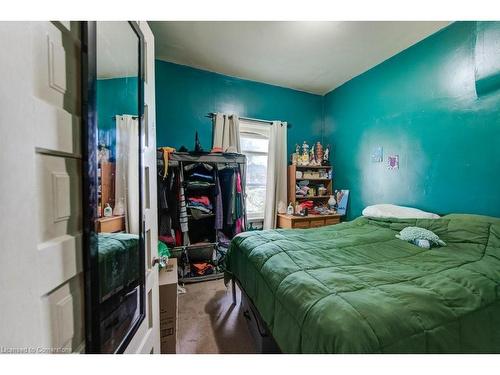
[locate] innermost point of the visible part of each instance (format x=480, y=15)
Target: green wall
x=422, y=105
x=185, y=95
x=115, y=96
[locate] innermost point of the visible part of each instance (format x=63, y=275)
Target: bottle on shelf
x=108, y=211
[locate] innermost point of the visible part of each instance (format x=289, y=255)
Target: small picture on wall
x=378, y=154
x=393, y=162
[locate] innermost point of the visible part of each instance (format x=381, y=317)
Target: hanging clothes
x=168, y=203
x=166, y=151
x=232, y=200
x=219, y=220
x=183, y=218
x=226, y=179
x=239, y=205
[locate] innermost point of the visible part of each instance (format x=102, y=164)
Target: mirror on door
x=117, y=273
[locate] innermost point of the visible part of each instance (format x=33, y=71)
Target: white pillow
x=399, y=212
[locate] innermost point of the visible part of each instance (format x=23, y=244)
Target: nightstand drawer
x=317, y=223
x=331, y=221
x=111, y=224
x=300, y=224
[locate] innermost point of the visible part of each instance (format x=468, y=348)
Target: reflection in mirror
x=118, y=211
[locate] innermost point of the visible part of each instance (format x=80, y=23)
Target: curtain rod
x=134, y=117
x=212, y=115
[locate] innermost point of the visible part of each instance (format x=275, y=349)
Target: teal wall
x=422, y=105
x=115, y=96
x=185, y=95
x=436, y=105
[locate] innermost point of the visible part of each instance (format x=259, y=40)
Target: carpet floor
x=208, y=322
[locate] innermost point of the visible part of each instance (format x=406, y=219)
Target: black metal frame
x=259, y=320
x=90, y=186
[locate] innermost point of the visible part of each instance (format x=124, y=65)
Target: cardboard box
x=168, y=307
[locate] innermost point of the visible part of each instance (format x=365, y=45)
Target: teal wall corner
x=436, y=105
x=422, y=105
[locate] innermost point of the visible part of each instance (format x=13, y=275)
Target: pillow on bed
x=399, y=212
x=421, y=237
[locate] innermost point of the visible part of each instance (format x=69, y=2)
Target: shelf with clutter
x=311, y=197
x=310, y=185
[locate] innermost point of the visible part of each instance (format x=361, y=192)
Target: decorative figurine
x=197, y=144
x=103, y=153
x=326, y=156
x=312, y=156
x=305, y=153
x=296, y=155
x=319, y=153
x=332, y=202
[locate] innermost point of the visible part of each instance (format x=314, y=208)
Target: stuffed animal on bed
x=421, y=237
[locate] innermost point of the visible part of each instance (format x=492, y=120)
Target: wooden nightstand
x=310, y=221
x=110, y=224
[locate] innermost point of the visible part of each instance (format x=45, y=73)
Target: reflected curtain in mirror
x=127, y=174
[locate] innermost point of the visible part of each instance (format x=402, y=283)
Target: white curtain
x=276, y=191
x=127, y=170
x=226, y=132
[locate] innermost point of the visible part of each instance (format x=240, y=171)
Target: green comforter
x=355, y=288
x=118, y=261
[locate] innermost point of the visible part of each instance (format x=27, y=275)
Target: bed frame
x=263, y=339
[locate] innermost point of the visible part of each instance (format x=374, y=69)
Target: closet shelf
x=205, y=216
x=195, y=279
x=313, y=179
x=313, y=197
x=209, y=185
x=313, y=166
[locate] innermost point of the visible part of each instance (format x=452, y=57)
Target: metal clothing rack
x=219, y=160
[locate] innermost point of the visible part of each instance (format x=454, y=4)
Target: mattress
x=355, y=288
x=118, y=262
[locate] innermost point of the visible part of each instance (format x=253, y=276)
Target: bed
x=118, y=262
x=355, y=288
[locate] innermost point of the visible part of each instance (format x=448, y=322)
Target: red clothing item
x=201, y=268
x=238, y=183
x=167, y=240
x=307, y=204
x=203, y=200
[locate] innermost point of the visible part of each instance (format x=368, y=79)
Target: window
x=254, y=141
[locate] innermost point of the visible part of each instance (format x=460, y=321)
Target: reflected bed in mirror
x=116, y=253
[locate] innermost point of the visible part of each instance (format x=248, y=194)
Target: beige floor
x=208, y=322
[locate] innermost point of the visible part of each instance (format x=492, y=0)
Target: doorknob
x=162, y=261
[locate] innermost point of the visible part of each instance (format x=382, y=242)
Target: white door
x=147, y=337
x=41, y=279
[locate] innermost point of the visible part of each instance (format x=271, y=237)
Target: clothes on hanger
x=200, y=208
x=183, y=218
x=219, y=216
x=232, y=200
x=197, y=185
x=168, y=203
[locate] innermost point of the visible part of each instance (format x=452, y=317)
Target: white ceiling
x=314, y=57
x=117, y=50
